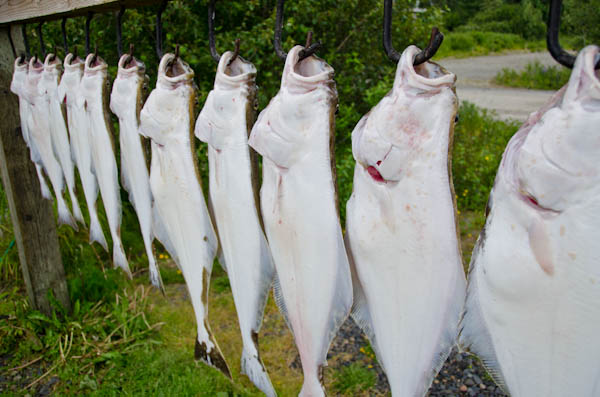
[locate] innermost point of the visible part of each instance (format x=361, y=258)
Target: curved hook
x=159, y=34
x=10, y=40
x=88, y=21
x=120, y=30
x=42, y=47
x=435, y=41
x=305, y=53
x=25, y=41
x=63, y=28
x=211, y=31
x=560, y=55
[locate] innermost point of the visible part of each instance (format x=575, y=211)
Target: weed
x=535, y=76
x=353, y=378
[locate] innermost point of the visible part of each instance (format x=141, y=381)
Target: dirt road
x=474, y=77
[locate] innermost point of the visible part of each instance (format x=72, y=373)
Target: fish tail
x=119, y=258
x=155, y=277
x=208, y=351
x=64, y=215
x=253, y=367
x=77, y=209
x=43, y=185
x=96, y=233
x=312, y=386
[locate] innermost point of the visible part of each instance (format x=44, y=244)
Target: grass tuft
x=535, y=76
x=352, y=379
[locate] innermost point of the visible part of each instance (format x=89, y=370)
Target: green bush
x=535, y=76
x=469, y=43
x=479, y=141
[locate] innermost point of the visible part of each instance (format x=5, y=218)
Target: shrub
x=535, y=76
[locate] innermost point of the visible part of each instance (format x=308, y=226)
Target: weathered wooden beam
x=27, y=11
x=32, y=216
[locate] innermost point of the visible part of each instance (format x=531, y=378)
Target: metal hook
x=63, y=28
x=236, y=52
x=211, y=31
x=42, y=47
x=88, y=21
x=130, y=55
x=25, y=41
x=159, y=39
x=560, y=55
x=10, y=40
x=435, y=41
x=119, y=30
x=305, y=53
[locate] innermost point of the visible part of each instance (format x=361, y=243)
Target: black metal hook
x=120, y=30
x=435, y=41
x=560, y=55
x=25, y=41
x=42, y=47
x=88, y=21
x=211, y=31
x=211, y=36
x=10, y=40
x=159, y=34
x=130, y=55
x=63, y=28
x=305, y=53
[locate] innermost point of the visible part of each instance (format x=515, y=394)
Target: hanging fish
x=94, y=99
x=38, y=128
x=58, y=128
x=408, y=279
x=126, y=103
x=181, y=221
x=224, y=123
x=17, y=86
x=295, y=136
x=533, y=306
x=69, y=93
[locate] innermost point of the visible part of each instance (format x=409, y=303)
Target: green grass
x=352, y=379
x=535, y=76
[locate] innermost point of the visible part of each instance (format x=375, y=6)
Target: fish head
x=94, y=81
x=302, y=114
x=19, y=76
x=126, y=92
x=218, y=123
x=553, y=162
x=69, y=83
x=31, y=89
x=412, y=125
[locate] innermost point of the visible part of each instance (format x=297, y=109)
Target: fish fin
x=473, y=334
x=360, y=312
x=161, y=234
x=253, y=367
x=279, y=301
x=119, y=258
x=96, y=233
x=211, y=356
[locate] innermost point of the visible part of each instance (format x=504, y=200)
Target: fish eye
x=337, y=110
x=456, y=119
x=256, y=104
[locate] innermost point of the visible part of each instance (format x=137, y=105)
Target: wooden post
x=33, y=219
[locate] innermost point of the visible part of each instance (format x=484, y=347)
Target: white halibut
x=17, y=86
x=79, y=132
x=533, y=308
x=224, y=123
x=409, y=283
x=40, y=138
x=94, y=99
x=126, y=103
x=58, y=127
x=295, y=136
x=181, y=219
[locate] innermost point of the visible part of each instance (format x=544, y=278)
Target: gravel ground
x=461, y=375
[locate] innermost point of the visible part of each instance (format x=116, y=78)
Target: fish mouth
x=130, y=65
x=426, y=76
x=530, y=200
x=94, y=63
x=238, y=70
x=51, y=61
x=35, y=65
x=174, y=70
x=72, y=62
x=308, y=73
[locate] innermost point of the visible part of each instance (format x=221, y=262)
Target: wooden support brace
x=33, y=219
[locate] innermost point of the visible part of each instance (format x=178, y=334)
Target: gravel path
x=474, y=77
